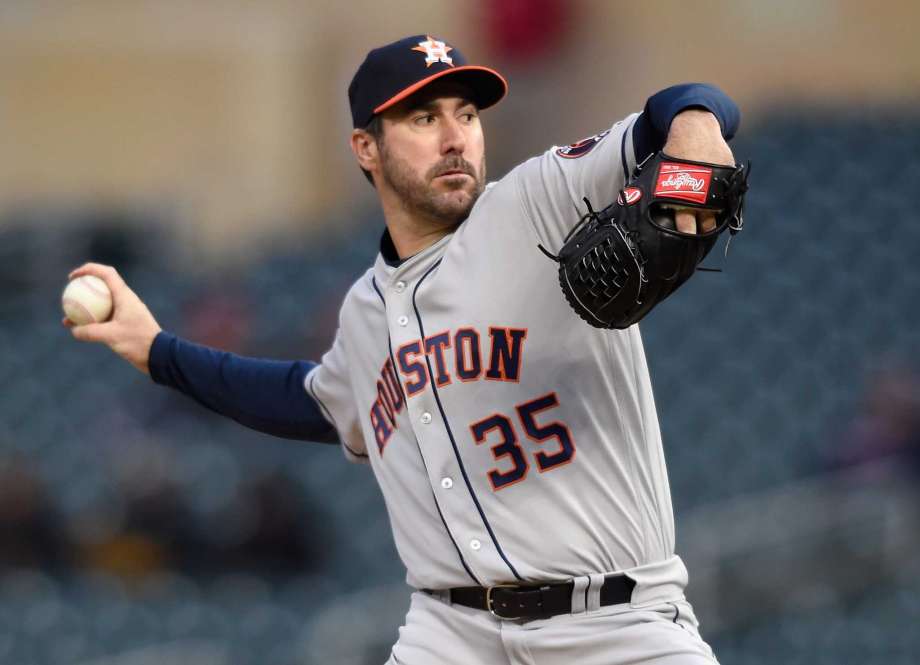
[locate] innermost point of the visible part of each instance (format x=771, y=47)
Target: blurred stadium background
x=201, y=148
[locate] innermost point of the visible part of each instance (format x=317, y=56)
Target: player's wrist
x=695, y=134
x=156, y=356
x=695, y=119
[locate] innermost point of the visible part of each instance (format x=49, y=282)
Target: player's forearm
x=265, y=395
x=652, y=129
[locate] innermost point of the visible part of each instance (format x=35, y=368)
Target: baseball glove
x=617, y=264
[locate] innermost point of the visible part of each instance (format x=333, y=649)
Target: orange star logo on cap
x=434, y=51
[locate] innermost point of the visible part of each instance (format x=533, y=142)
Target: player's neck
x=412, y=233
x=409, y=243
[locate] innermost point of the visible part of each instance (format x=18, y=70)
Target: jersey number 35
x=505, y=441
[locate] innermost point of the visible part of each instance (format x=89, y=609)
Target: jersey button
x=447, y=483
x=475, y=545
x=400, y=287
x=403, y=320
x=426, y=418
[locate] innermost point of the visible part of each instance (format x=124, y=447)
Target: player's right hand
x=696, y=134
x=131, y=330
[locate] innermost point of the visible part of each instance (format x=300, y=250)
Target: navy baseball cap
x=391, y=73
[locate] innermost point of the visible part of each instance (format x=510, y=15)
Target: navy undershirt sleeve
x=265, y=395
x=650, y=131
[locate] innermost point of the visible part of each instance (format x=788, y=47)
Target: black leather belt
x=509, y=601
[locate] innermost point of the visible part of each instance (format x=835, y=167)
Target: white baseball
x=87, y=299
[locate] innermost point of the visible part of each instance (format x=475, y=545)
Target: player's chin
x=457, y=200
x=454, y=207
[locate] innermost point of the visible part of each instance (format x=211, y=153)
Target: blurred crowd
x=884, y=427
x=153, y=527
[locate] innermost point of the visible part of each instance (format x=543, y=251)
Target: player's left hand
x=695, y=134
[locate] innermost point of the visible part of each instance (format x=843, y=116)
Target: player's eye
x=425, y=119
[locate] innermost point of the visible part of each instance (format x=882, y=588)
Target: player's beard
x=419, y=194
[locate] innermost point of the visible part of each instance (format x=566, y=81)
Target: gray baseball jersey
x=512, y=441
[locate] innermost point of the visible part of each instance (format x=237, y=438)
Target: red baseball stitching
x=92, y=287
x=79, y=305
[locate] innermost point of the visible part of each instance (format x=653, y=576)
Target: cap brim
x=488, y=86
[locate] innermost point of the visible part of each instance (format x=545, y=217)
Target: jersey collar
x=388, y=250
x=410, y=269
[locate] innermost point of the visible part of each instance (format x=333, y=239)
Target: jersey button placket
x=459, y=510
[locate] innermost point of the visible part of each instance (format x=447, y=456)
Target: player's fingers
x=107, y=274
x=685, y=221
x=88, y=268
x=707, y=221
x=92, y=332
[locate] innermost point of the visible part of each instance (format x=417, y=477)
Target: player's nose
x=453, y=139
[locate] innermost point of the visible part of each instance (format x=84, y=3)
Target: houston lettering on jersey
x=449, y=354
x=388, y=403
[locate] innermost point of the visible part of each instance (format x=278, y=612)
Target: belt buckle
x=489, y=601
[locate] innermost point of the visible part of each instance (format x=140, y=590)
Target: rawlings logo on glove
x=684, y=182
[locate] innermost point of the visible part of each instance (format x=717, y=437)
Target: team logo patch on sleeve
x=581, y=148
x=683, y=181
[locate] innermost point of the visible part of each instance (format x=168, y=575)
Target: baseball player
x=517, y=448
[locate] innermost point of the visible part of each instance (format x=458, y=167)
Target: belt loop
x=579, y=597
x=593, y=596
x=441, y=594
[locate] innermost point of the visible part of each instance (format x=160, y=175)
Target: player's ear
x=364, y=145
